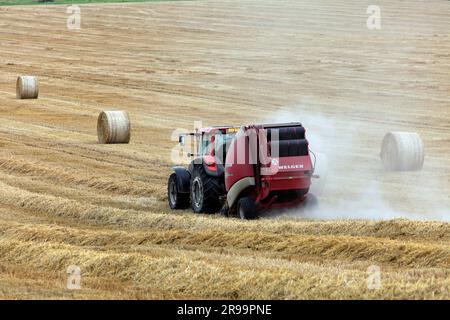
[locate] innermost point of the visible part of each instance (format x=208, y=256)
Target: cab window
x=221, y=143
x=206, y=144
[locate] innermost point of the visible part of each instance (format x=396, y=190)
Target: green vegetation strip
x=43, y=2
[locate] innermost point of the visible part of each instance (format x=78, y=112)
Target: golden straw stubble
x=27, y=87
x=113, y=127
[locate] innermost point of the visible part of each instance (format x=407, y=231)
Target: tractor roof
x=279, y=125
x=208, y=129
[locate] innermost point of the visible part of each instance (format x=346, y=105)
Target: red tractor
x=244, y=170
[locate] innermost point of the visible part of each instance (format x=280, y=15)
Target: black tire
x=247, y=209
x=205, y=191
x=176, y=199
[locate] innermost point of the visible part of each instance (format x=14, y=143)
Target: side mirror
x=182, y=140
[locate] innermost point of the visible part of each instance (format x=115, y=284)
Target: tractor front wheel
x=247, y=208
x=176, y=199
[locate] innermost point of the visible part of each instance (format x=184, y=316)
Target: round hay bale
x=27, y=87
x=113, y=127
x=402, y=151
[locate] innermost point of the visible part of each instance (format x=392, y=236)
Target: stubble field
x=66, y=200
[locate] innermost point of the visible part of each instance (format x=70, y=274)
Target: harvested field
x=67, y=200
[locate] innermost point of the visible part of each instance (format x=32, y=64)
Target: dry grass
x=65, y=199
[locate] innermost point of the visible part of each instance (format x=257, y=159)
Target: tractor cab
x=210, y=146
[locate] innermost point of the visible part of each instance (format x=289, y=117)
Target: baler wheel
x=247, y=208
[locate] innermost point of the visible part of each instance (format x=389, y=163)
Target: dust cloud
x=352, y=183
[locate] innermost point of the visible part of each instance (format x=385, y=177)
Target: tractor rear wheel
x=176, y=199
x=205, y=191
x=247, y=208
